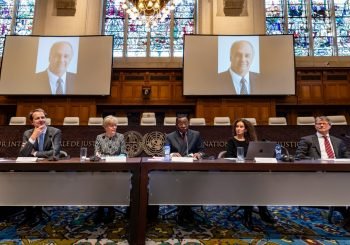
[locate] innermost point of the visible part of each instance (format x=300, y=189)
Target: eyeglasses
x=323, y=123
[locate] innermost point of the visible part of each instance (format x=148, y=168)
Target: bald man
x=56, y=79
x=238, y=78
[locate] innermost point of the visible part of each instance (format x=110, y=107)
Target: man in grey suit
x=42, y=141
x=321, y=145
x=56, y=79
x=238, y=78
x=324, y=146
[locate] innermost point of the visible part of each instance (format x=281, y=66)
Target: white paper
x=182, y=159
x=26, y=159
x=265, y=160
x=116, y=159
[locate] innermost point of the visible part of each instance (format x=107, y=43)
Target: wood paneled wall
x=318, y=91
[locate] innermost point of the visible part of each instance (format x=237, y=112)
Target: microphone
x=53, y=157
x=287, y=157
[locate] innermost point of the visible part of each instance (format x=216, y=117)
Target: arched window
x=132, y=38
x=320, y=27
x=16, y=18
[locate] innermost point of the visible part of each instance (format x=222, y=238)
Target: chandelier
x=148, y=12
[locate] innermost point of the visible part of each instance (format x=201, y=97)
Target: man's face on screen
x=60, y=56
x=242, y=55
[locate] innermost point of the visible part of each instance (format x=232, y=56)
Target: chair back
x=48, y=121
x=148, y=114
x=71, y=121
x=222, y=121
x=197, y=121
x=123, y=121
x=305, y=121
x=18, y=121
x=338, y=120
x=277, y=121
x=169, y=121
x=252, y=120
x=148, y=121
x=95, y=121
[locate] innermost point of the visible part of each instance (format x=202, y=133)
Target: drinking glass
x=240, y=154
x=83, y=154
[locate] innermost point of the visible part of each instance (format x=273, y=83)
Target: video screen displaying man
x=238, y=78
x=56, y=78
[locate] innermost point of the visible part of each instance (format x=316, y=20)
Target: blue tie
x=41, y=142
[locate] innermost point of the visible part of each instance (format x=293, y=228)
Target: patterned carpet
x=78, y=225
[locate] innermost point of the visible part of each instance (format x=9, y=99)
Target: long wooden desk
x=71, y=182
x=139, y=182
x=224, y=182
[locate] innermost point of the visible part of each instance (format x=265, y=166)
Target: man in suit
x=41, y=141
x=238, y=78
x=322, y=145
x=56, y=79
x=185, y=142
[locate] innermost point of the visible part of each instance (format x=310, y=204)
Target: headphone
x=286, y=157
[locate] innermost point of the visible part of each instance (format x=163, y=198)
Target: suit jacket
x=225, y=82
x=308, y=147
x=43, y=84
x=178, y=144
x=52, y=142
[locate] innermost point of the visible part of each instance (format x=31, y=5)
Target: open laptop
x=260, y=149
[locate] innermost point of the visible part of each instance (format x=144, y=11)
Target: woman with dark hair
x=244, y=132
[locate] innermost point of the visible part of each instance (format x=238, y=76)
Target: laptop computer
x=260, y=149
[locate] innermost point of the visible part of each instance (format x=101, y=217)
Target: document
x=116, y=159
x=26, y=159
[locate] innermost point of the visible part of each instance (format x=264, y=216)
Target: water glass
x=240, y=154
x=83, y=154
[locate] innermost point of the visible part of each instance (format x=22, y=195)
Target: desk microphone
x=53, y=157
x=287, y=157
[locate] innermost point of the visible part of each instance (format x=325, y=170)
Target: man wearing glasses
x=321, y=145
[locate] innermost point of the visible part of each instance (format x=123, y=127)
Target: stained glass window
x=16, y=17
x=320, y=27
x=134, y=39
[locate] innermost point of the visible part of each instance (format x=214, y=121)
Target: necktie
x=41, y=142
x=59, y=87
x=244, y=89
x=328, y=147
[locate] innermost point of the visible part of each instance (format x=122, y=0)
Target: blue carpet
x=77, y=225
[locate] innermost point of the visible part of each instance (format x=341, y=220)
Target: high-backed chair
x=48, y=121
x=197, y=121
x=95, y=121
x=305, y=121
x=222, y=121
x=148, y=121
x=252, y=120
x=18, y=121
x=123, y=121
x=169, y=121
x=277, y=121
x=68, y=121
x=338, y=120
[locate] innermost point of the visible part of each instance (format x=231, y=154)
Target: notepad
x=182, y=159
x=116, y=159
x=26, y=159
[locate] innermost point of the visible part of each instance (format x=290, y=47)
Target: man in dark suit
x=33, y=145
x=324, y=146
x=316, y=147
x=185, y=142
x=56, y=79
x=238, y=78
x=41, y=141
